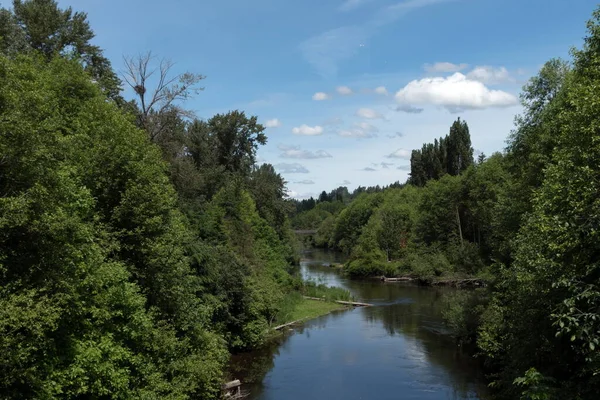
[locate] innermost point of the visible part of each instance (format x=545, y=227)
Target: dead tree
x=158, y=90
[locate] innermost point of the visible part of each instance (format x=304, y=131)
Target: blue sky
x=349, y=87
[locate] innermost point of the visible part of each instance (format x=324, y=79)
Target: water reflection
x=396, y=349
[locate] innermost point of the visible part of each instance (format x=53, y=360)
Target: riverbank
x=308, y=309
x=400, y=344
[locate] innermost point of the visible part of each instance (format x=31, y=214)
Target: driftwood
x=278, y=327
x=399, y=279
x=346, y=303
x=233, y=385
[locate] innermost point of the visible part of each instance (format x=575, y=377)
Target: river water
x=397, y=349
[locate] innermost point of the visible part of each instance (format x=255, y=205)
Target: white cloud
x=295, y=195
x=455, y=92
x=296, y=152
x=293, y=168
x=409, y=109
x=273, y=123
x=344, y=90
x=404, y=167
x=346, y=182
x=320, y=96
x=356, y=133
x=400, y=153
x=444, y=67
x=381, y=90
x=365, y=126
x=369, y=169
x=490, y=75
x=386, y=165
x=368, y=113
x=305, y=182
x=307, y=130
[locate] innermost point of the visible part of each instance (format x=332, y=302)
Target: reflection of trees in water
x=252, y=367
x=420, y=323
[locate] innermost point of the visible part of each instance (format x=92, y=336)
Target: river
x=394, y=350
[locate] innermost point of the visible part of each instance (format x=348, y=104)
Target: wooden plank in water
x=232, y=384
x=346, y=303
x=400, y=279
x=278, y=327
x=354, y=303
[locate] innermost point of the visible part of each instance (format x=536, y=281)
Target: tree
x=395, y=228
x=459, y=150
x=159, y=91
x=51, y=31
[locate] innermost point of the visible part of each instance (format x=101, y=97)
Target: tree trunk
x=459, y=227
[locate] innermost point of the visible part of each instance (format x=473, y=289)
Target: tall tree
x=51, y=31
x=459, y=150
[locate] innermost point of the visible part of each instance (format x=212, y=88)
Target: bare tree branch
x=165, y=92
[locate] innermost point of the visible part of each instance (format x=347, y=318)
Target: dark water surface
x=395, y=350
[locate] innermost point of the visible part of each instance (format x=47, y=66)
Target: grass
x=313, y=289
x=309, y=309
x=295, y=307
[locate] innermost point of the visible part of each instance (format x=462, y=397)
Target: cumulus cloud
x=295, y=195
x=346, y=182
x=403, y=167
x=386, y=165
x=273, y=123
x=381, y=90
x=368, y=169
x=490, y=75
x=320, y=96
x=305, y=182
x=293, y=168
x=455, y=93
x=444, y=67
x=296, y=152
x=408, y=109
x=344, y=90
x=307, y=130
x=400, y=153
x=368, y=113
x=356, y=133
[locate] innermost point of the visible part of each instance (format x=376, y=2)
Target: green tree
x=51, y=31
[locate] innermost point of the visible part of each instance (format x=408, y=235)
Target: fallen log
x=399, y=279
x=354, y=303
x=346, y=303
x=228, y=386
x=278, y=327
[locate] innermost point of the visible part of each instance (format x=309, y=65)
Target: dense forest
x=139, y=245
x=525, y=220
